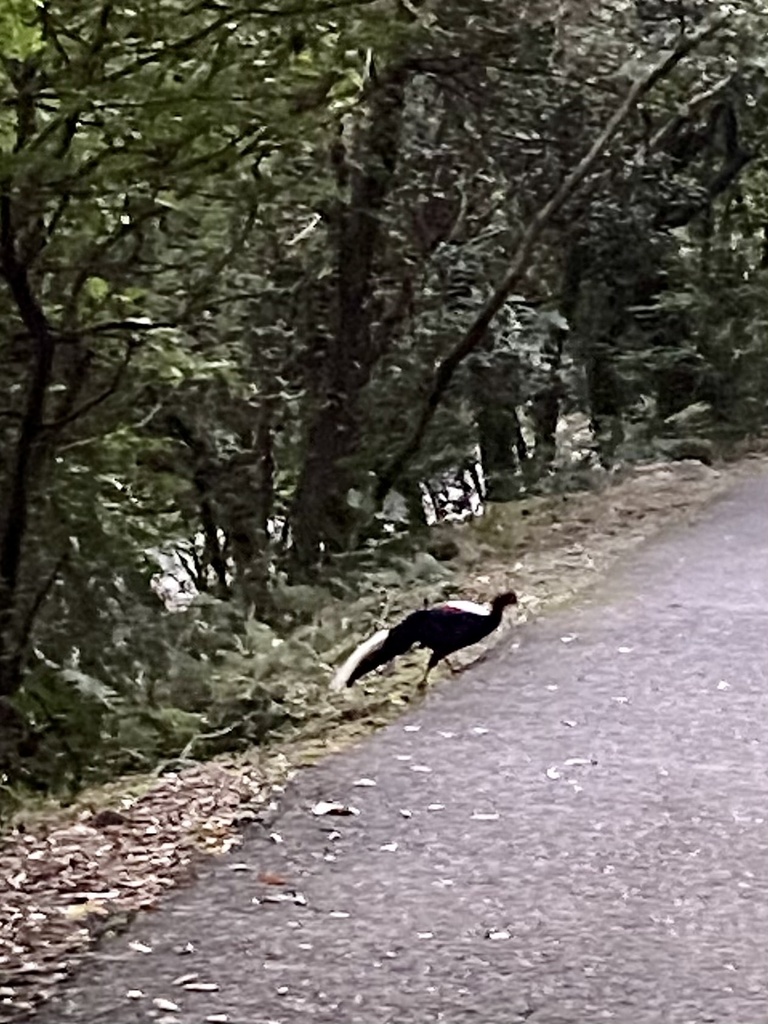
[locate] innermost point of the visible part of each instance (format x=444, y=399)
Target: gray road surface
x=487, y=880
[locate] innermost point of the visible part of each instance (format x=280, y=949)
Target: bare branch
x=37, y=603
x=86, y=407
x=660, y=137
x=127, y=325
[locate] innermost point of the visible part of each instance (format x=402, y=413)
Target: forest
x=278, y=280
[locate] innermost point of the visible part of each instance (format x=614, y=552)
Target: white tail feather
x=374, y=643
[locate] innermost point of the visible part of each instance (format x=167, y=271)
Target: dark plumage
x=444, y=629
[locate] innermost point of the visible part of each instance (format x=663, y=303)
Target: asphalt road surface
x=573, y=831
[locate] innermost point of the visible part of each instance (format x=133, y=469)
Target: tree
x=142, y=149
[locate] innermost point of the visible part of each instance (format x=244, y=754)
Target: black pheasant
x=443, y=629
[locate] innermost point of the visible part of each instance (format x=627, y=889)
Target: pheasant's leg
x=435, y=657
x=423, y=682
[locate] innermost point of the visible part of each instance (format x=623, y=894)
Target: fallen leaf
x=298, y=898
x=78, y=911
x=496, y=934
x=167, y=1005
x=323, y=807
x=269, y=878
x=89, y=897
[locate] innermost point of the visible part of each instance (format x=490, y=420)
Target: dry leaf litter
x=66, y=882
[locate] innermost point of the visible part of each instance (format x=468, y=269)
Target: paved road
x=634, y=889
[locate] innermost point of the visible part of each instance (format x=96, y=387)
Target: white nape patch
x=339, y=681
x=468, y=606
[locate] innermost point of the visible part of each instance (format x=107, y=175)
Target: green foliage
x=20, y=32
x=235, y=243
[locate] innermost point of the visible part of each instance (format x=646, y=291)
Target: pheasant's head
x=502, y=601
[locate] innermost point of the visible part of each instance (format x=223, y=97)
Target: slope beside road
x=574, y=830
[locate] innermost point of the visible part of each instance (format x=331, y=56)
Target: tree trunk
x=320, y=514
x=204, y=471
x=502, y=450
x=249, y=506
x=235, y=497
x=605, y=402
x=14, y=516
x=545, y=407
